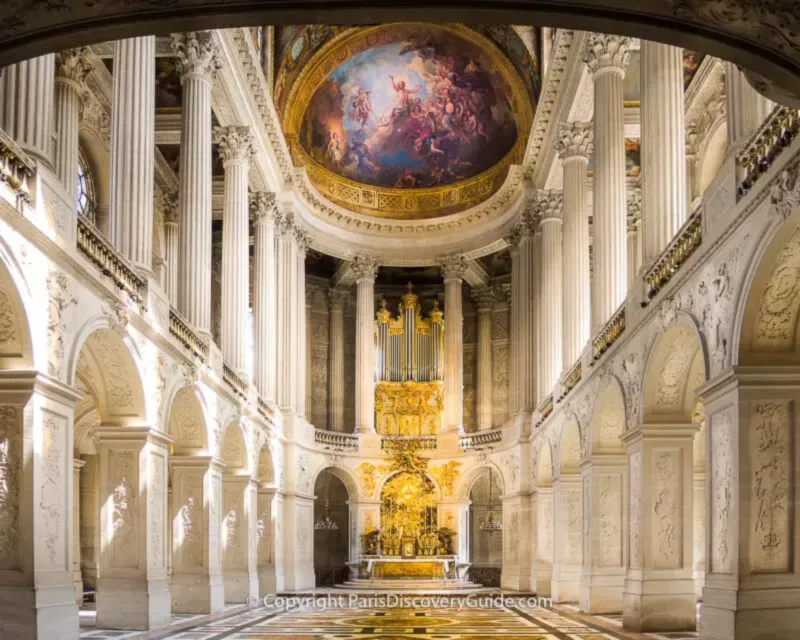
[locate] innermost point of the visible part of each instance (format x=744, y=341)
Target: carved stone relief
x=157, y=492
x=722, y=479
x=545, y=546
x=780, y=303
x=60, y=298
x=10, y=486
x=53, y=498
x=122, y=467
x=635, y=508
x=666, y=508
x=574, y=525
x=609, y=551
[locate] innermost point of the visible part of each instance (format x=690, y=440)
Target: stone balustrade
x=422, y=442
x=16, y=169
x=482, y=440
x=689, y=238
x=181, y=329
x=234, y=381
x=335, y=441
x=609, y=334
x=571, y=379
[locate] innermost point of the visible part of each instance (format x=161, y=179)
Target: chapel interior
x=362, y=304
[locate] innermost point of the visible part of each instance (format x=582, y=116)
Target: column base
x=659, y=604
x=729, y=614
x=197, y=593
x=365, y=431
x=133, y=603
x=240, y=586
x=544, y=580
x=699, y=584
x=267, y=581
x=566, y=584
x=34, y=613
x=516, y=579
x=601, y=590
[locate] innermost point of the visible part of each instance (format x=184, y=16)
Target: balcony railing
x=768, y=143
x=234, y=381
x=480, y=440
x=16, y=169
x=609, y=334
x=104, y=256
x=546, y=408
x=181, y=329
x=571, y=379
x=335, y=441
x=689, y=238
x=421, y=442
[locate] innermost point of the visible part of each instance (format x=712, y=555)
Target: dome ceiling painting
x=407, y=120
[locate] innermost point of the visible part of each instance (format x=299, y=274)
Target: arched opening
x=331, y=529
x=568, y=521
x=268, y=514
x=543, y=513
x=486, y=550
x=713, y=156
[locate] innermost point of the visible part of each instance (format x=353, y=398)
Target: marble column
x=133, y=591
x=526, y=315
x=574, y=146
x=310, y=292
x=77, y=579
x=607, y=56
x=551, y=351
x=286, y=258
x=659, y=588
x=196, y=582
x=538, y=313
x=746, y=108
x=336, y=298
x=515, y=340
x=663, y=147
x=453, y=270
x=634, y=221
x=365, y=269
x=171, y=247
x=484, y=300
x=236, y=149
x=265, y=304
x=26, y=105
x=302, y=242
x=199, y=62
x=268, y=531
x=133, y=113
x=72, y=68
x=238, y=538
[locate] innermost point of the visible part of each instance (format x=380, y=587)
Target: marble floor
x=344, y=622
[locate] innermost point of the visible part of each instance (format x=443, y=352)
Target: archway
x=568, y=520
x=331, y=529
x=269, y=555
x=543, y=514
x=486, y=550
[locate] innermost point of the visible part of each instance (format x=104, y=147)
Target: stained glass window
x=86, y=197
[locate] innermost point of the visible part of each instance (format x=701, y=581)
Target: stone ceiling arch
x=761, y=37
x=187, y=423
x=475, y=473
x=16, y=347
x=343, y=476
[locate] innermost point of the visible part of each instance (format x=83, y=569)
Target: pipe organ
x=409, y=368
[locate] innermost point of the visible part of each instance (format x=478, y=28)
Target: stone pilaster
x=607, y=56
x=567, y=538
x=265, y=293
x=196, y=582
x=365, y=268
x=268, y=532
x=484, y=299
x=543, y=512
x=526, y=314
x=551, y=352
x=538, y=312
x=518, y=546
x=133, y=590
x=133, y=112
x=515, y=339
x=574, y=146
x=663, y=147
x=453, y=270
x=26, y=105
x=238, y=538
x=747, y=109
x=302, y=242
x=236, y=149
x=199, y=61
x=77, y=578
x=336, y=298
x=171, y=247
x=634, y=234
x=287, y=306
x=72, y=68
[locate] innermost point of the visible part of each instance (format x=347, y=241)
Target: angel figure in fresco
x=402, y=94
x=333, y=150
x=362, y=107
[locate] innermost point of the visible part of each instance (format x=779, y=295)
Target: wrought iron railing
x=689, y=238
x=609, y=334
x=16, y=169
x=101, y=253
x=336, y=441
x=480, y=440
x=777, y=133
x=233, y=380
x=571, y=379
x=181, y=329
x=421, y=442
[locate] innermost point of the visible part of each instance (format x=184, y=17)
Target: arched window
x=86, y=196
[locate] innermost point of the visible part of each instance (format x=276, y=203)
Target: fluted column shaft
x=552, y=336
x=199, y=62
x=485, y=301
x=663, y=147
x=747, y=109
x=526, y=382
x=634, y=235
x=236, y=149
x=286, y=260
x=607, y=57
x=513, y=395
x=336, y=361
x=365, y=269
x=453, y=269
x=171, y=256
x=575, y=148
x=301, y=312
x=265, y=307
x=72, y=67
x=538, y=312
x=26, y=105
x=132, y=162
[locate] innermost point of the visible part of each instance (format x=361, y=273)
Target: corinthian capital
x=235, y=144
x=74, y=65
x=483, y=298
x=549, y=205
x=575, y=140
x=607, y=51
x=197, y=52
x=453, y=267
x=365, y=267
x=303, y=239
x=634, y=207
x=263, y=207
x=170, y=201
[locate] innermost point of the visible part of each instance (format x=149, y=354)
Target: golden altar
x=409, y=408
x=387, y=567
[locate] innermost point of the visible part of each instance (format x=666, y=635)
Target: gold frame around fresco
x=404, y=204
